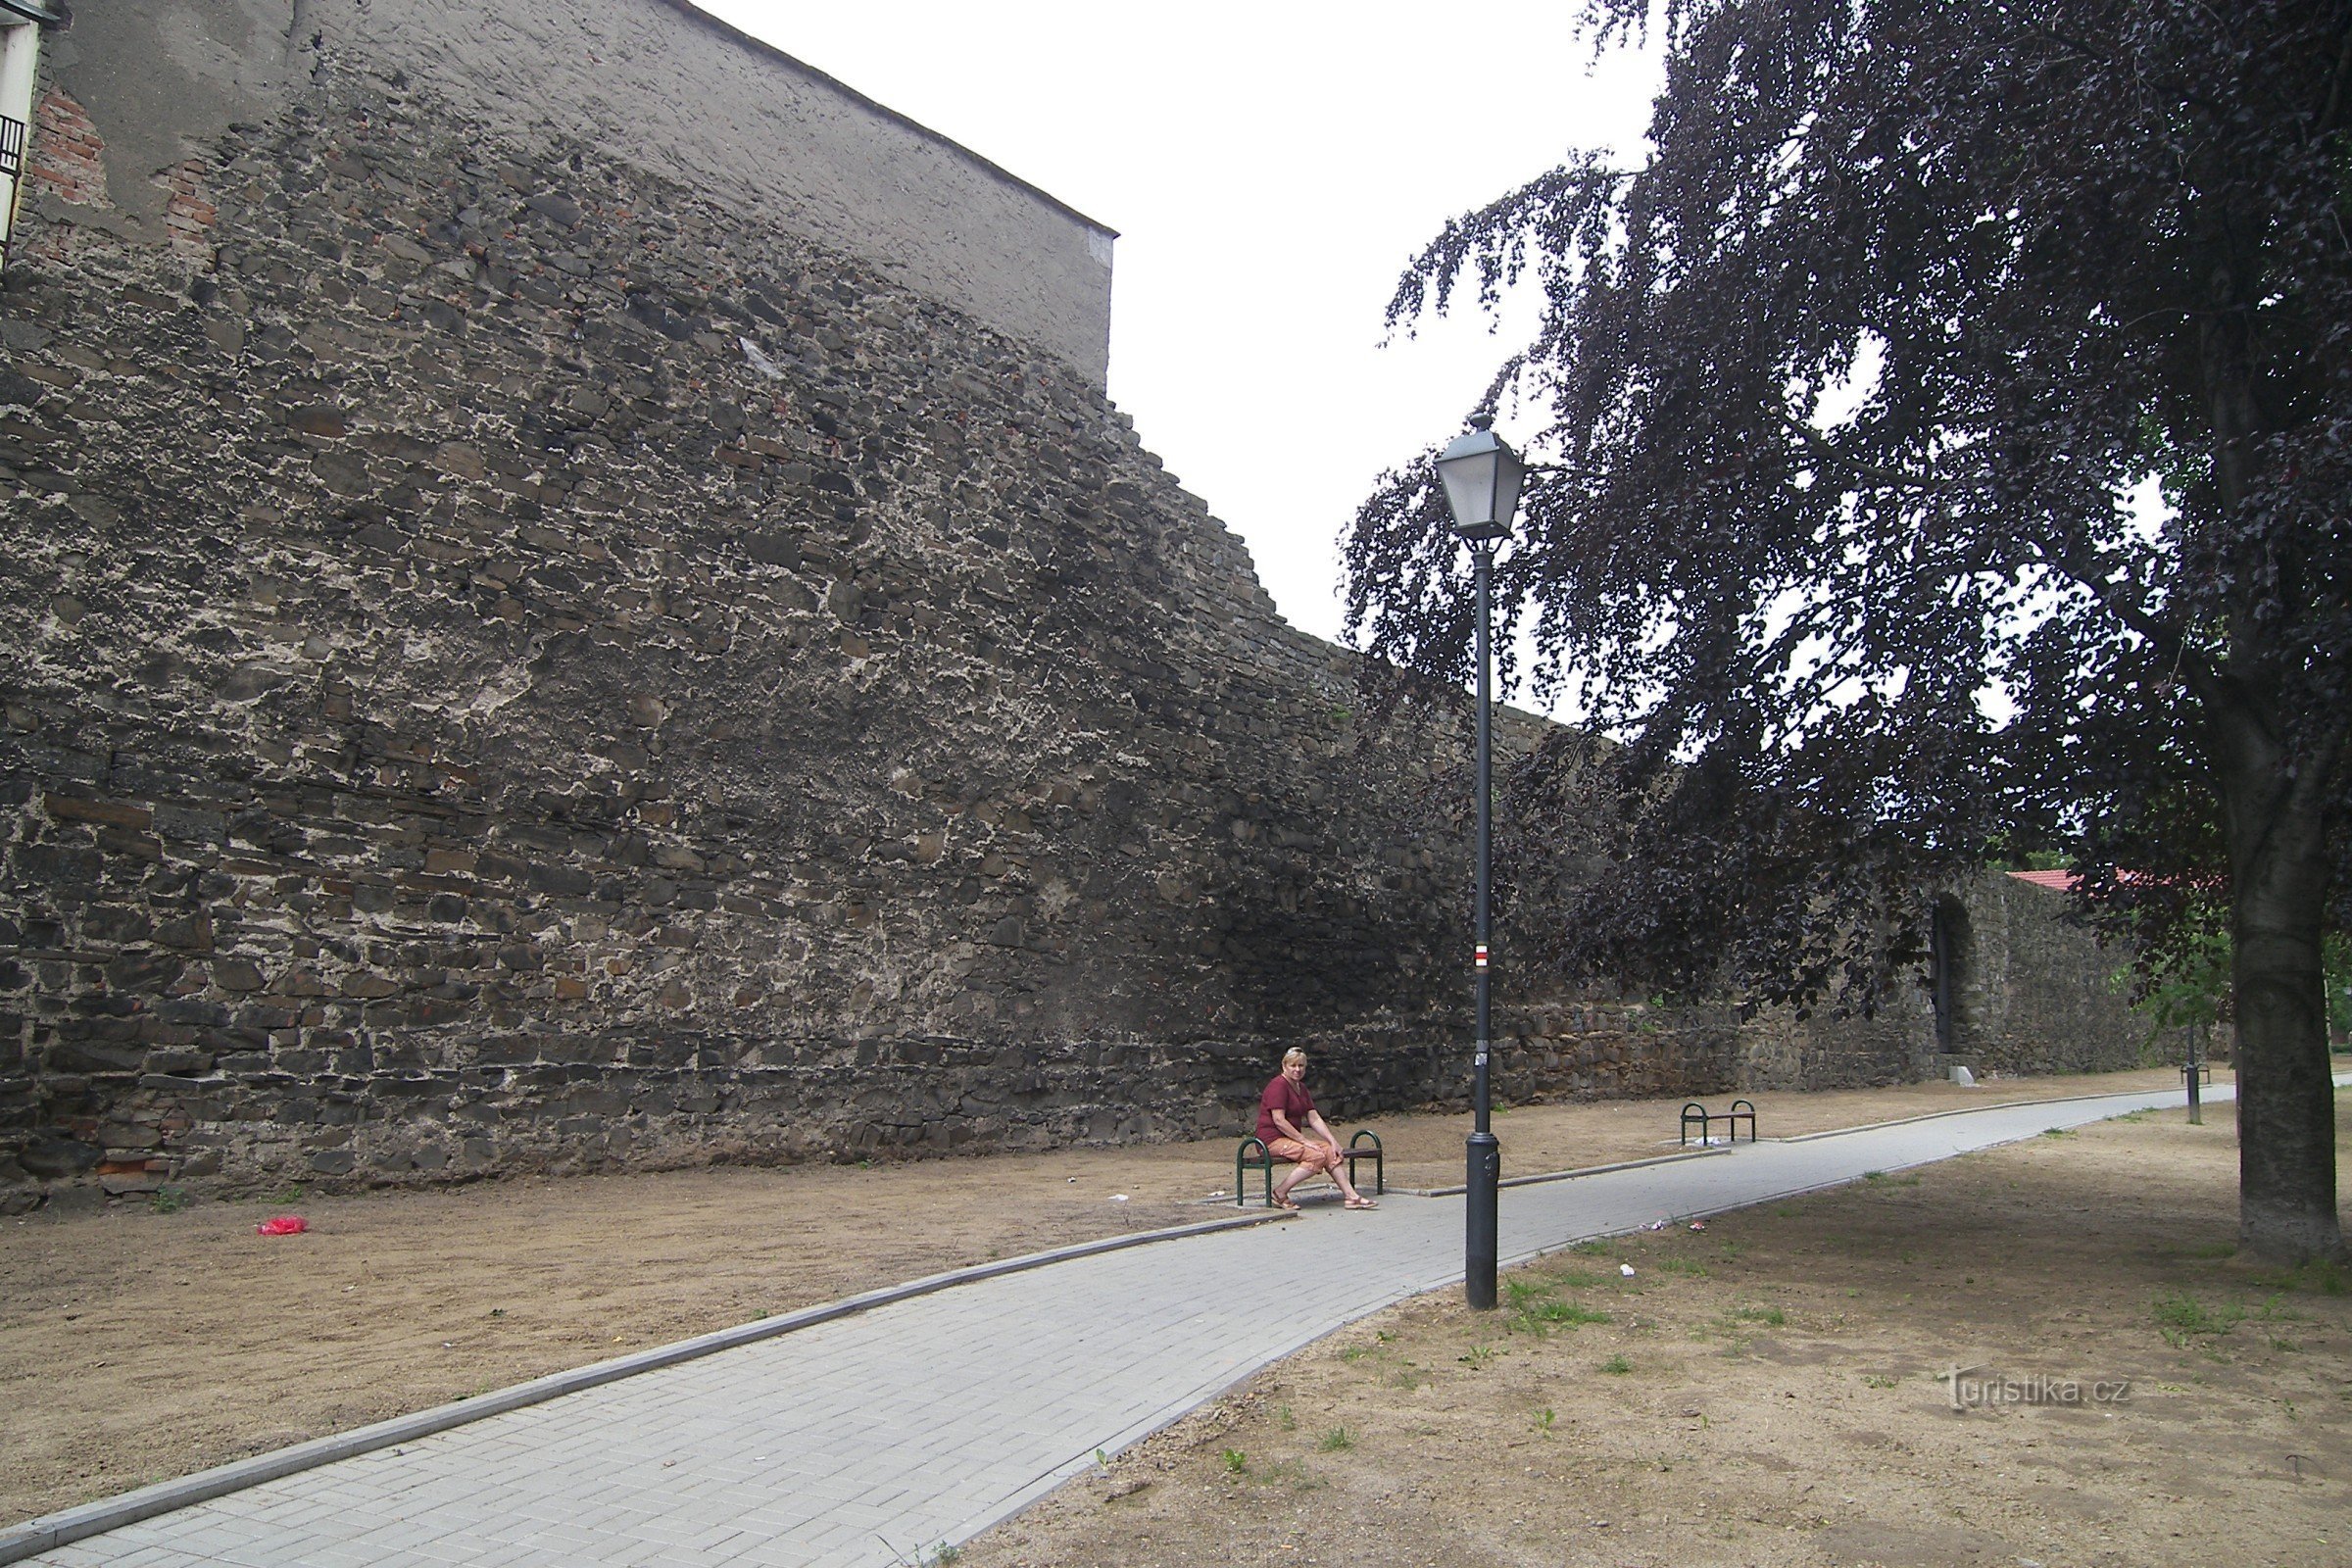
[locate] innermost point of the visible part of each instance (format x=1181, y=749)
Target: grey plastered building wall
x=676, y=90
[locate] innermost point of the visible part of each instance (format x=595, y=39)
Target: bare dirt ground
x=1778, y=1389
x=137, y=1344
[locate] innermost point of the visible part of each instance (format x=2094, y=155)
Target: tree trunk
x=2286, y=1091
x=2273, y=795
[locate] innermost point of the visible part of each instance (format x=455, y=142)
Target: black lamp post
x=1482, y=478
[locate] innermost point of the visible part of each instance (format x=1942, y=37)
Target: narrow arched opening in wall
x=1951, y=957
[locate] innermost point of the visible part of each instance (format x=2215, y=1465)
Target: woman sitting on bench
x=1291, y=1129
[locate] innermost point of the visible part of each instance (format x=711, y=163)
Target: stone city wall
x=515, y=661
x=2037, y=992
x=518, y=660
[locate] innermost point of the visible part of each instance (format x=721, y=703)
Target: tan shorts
x=1315, y=1157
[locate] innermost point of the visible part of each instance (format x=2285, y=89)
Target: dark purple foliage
x=2069, y=248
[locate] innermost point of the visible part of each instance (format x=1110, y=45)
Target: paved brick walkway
x=872, y=1438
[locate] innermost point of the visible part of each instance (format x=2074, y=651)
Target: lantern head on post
x=1482, y=481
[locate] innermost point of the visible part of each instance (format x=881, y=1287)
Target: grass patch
x=2320, y=1277
x=1237, y=1463
x=2203, y=1249
x=1338, y=1440
x=169, y=1199
x=1540, y=1318
x=1691, y=1267
x=1771, y=1316
x=2182, y=1318
x=2057, y=1131
x=1290, y=1471
x=1616, y=1366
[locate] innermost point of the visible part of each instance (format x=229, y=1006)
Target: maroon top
x=1290, y=1099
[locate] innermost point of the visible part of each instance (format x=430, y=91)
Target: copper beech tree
x=1944, y=444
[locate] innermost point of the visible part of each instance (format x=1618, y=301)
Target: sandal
x=1286, y=1205
x=1360, y=1203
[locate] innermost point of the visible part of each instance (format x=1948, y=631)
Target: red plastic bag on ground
x=282, y=1225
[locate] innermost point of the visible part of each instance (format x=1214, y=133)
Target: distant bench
x=1697, y=1115
x=1254, y=1155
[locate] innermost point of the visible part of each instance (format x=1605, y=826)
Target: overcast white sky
x=1269, y=168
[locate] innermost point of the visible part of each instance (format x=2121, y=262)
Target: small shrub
x=1617, y=1366
x=1338, y=1440
x=169, y=1199
x=1237, y=1463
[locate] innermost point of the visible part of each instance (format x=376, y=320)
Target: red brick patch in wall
x=188, y=213
x=68, y=158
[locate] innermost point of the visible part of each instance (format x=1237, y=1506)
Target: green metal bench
x=1263, y=1161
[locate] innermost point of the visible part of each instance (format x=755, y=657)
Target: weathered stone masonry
x=515, y=661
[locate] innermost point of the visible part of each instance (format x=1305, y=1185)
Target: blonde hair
x=1295, y=1053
